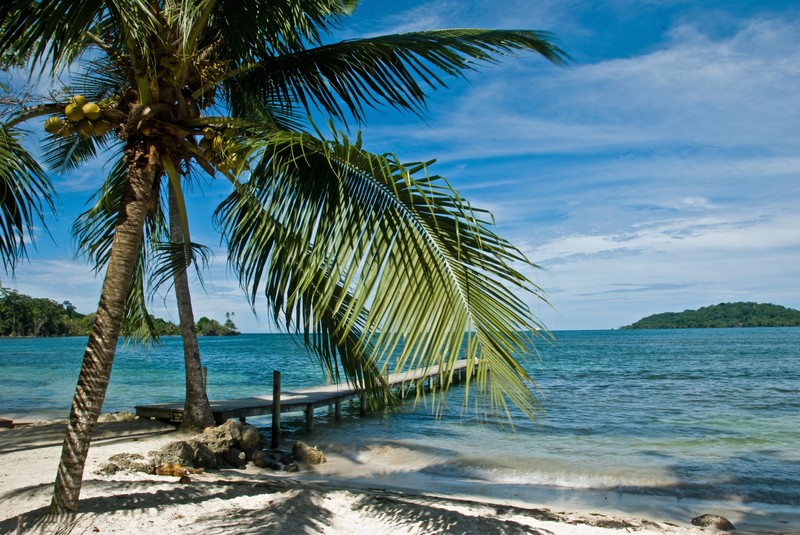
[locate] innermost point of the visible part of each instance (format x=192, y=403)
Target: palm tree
x=356, y=252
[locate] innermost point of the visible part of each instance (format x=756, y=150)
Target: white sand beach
x=338, y=497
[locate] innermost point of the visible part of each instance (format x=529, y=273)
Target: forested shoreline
x=740, y=314
x=25, y=316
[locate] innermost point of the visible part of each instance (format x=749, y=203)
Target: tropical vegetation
x=23, y=315
x=211, y=327
x=722, y=315
x=363, y=256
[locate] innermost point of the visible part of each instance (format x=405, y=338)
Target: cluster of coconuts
x=217, y=149
x=83, y=118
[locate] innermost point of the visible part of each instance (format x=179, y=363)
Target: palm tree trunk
x=98, y=358
x=197, y=410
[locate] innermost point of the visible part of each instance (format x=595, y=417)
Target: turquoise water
x=689, y=414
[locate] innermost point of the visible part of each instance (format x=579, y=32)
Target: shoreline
x=343, y=495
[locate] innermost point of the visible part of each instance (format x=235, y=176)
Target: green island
x=722, y=315
x=22, y=315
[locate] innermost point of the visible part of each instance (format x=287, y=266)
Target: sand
x=334, y=498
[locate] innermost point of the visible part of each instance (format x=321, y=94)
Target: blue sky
x=660, y=171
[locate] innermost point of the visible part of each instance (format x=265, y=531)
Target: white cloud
x=604, y=281
x=722, y=94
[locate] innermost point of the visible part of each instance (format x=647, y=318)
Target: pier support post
x=362, y=410
x=276, y=409
x=337, y=415
x=309, y=416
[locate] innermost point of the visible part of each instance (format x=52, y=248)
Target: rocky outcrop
x=128, y=462
x=194, y=452
x=230, y=445
x=223, y=437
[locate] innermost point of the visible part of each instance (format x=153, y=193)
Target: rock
x=188, y=452
x=185, y=480
x=230, y=444
x=116, y=417
x=306, y=454
x=286, y=459
x=222, y=438
x=179, y=451
x=260, y=459
x=713, y=521
x=251, y=438
x=130, y=462
x=235, y=457
x=291, y=467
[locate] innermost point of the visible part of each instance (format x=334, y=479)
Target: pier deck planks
x=306, y=399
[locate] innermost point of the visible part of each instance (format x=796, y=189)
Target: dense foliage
x=722, y=315
x=209, y=327
x=22, y=315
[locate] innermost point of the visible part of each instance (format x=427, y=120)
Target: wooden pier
x=305, y=399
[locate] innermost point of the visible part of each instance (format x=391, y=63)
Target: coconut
x=205, y=143
x=79, y=100
x=73, y=112
x=53, y=125
x=217, y=144
x=91, y=111
x=209, y=133
x=85, y=128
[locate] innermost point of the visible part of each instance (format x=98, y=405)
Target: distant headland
x=722, y=315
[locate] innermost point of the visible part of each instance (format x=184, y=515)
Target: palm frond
x=347, y=77
x=68, y=153
x=170, y=258
x=190, y=19
x=391, y=252
x=93, y=230
x=29, y=25
x=103, y=78
x=345, y=353
x=180, y=207
x=252, y=29
x=138, y=326
x=26, y=193
x=348, y=355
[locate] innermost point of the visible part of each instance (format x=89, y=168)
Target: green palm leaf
x=345, y=77
x=26, y=193
x=255, y=29
x=392, y=252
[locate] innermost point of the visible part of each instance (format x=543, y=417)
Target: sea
x=695, y=420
